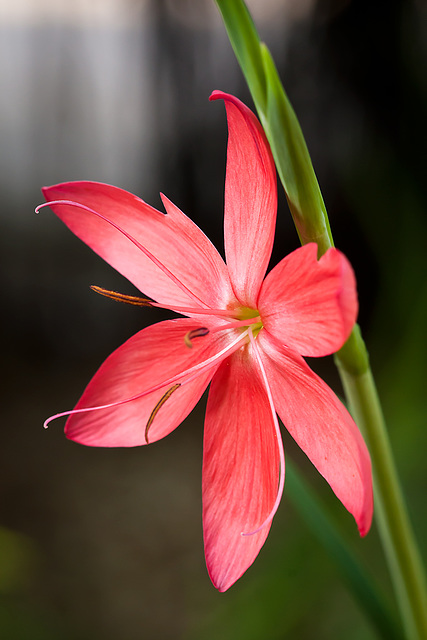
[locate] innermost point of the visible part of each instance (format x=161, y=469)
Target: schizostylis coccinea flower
x=243, y=333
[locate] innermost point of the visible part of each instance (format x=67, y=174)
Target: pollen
x=195, y=333
x=158, y=406
x=122, y=297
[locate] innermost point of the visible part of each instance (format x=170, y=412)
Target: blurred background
x=108, y=543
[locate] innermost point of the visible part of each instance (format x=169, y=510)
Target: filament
x=278, y=439
x=146, y=252
x=193, y=372
x=232, y=347
x=147, y=302
x=235, y=324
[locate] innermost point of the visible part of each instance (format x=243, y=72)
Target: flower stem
x=394, y=527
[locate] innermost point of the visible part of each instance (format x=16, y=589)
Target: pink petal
x=250, y=200
x=173, y=239
x=310, y=305
x=322, y=427
x=149, y=358
x=240, y=469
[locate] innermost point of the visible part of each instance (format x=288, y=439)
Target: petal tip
x=46, y=190
x=228, y=97
x=221, y=583
x=364, y=529
x=217, y=95
x=364, y=523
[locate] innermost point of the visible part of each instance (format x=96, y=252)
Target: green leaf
x=280, y=124
x=293, y=162
x=246, y=45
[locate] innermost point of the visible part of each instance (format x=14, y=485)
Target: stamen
x=233, y=346
x=193, y=372
x=121, y=297
x=147, y=302
x=237, y=323
x=158, y=406
x=222, y=313
x=195, y=333
x=278, y=438
x=146, y=252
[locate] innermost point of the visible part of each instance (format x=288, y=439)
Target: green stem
x=394, y=527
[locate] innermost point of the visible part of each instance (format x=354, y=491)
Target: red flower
x=244, y=334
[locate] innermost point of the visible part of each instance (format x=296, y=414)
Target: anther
x=121, y=297
x=158, y=406
x=195, y=333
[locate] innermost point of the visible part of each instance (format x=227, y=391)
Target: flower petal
x=321, y=426
x=240, y=469
x=149, y=358
x=173, y=239
x=250, y=200
x=310, y=305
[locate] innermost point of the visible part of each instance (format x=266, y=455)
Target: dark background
x=98, y=543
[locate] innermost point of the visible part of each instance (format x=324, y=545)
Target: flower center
x=248, y=317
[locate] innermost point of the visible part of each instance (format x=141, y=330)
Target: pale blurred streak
x=86, y=84
x=77, y=12
x=75, y=93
